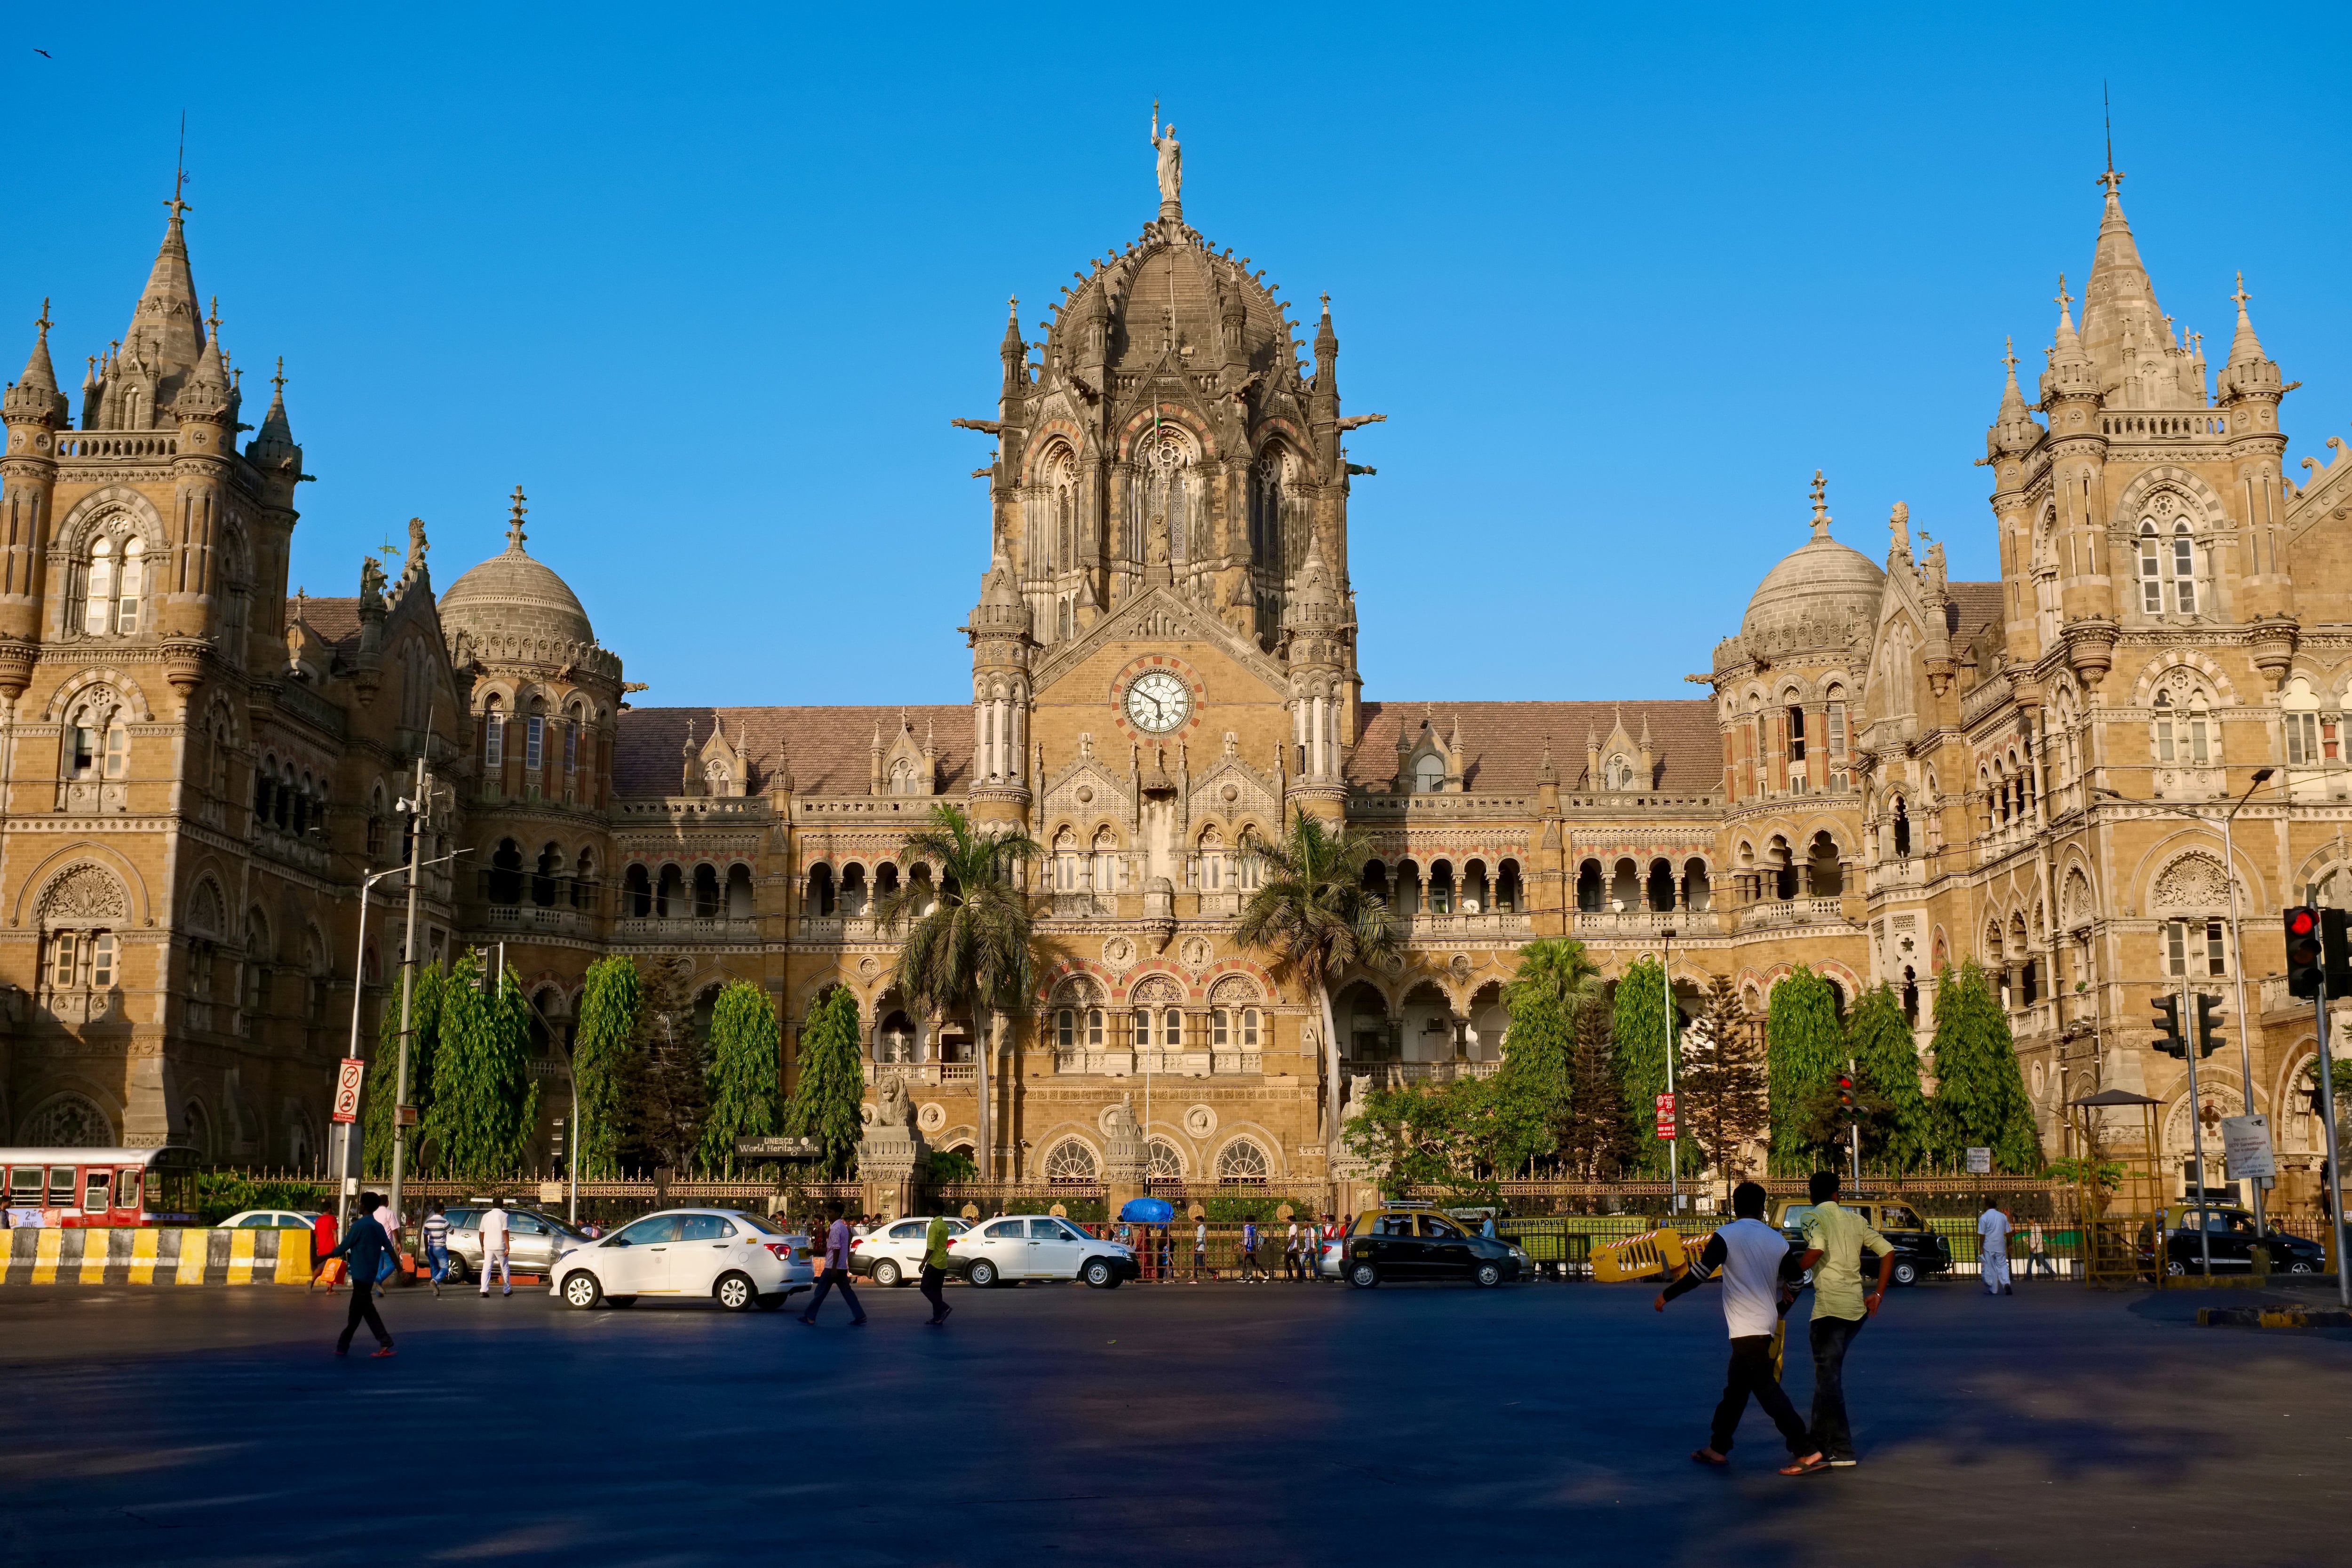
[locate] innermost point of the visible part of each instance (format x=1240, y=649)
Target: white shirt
x=1753, y=1253
x=1201, y=1234
x=494, y=1232
x=383, y=1217
x=1993, y=1227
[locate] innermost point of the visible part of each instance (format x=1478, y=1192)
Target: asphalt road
x=1152, y=1425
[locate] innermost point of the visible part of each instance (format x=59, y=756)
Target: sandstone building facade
x=1889, y=770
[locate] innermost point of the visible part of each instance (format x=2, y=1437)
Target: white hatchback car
x=893, y=1254
x=1039, y=1247
x=738, y=1259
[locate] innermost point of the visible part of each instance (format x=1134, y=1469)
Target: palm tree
x=969, y=945
x=1312, y=912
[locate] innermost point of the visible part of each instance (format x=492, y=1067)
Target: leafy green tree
x=1599, y=1142
x=1313, y=913
x=608, y=1023
x=1898, y=1127
x=1804, y=1049
x=746, y=1080
x=381, y=1085
x=1722, y=1085
x=832, y=1083
x=484, y=1104
x=1980, y=1099
x=969, y=945
x=1432, y=1135
x=1554, y=977
x=662, y=1089
x=1639, y=1025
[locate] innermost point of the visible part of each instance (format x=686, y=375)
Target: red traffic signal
x=2305, y=974
x=1845, y=1092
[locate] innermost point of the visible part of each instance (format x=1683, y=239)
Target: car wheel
x=1488, y=1274
x=983, y=1273
x=886, y=1273
x=2176, y=1268
x=735, y=1292
x=2299, y=1266
x=1364, y=1276
x=1097, y=1273
x=581, y=1290
x=1906, y=1273
x=457, y=1274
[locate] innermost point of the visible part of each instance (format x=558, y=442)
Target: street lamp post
x=359, y=975
x=2237, y=961
x=1673, y=1144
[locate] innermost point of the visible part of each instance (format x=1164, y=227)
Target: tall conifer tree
x=485, y=1106
x=609, y=1004
x=1723, y=1080
x=1638, y=1025
x=832, y=1083
x=746, y=1087
x=1980, y=1099
x=1900, y=1130
x=1804, y=1050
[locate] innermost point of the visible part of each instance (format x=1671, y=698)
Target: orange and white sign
x=347, y=1089
x=1666, y=1117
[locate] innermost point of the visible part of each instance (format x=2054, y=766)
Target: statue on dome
x=1171, y=159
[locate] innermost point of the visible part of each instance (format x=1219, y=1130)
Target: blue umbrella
x=1148, y=1211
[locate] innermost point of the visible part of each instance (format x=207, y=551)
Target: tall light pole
x=359, y=975
x=1673, y=1144
x=2237, y=962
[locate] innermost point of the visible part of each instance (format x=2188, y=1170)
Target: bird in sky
x=44, y=54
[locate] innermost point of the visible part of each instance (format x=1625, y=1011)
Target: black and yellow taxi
x=1405, y=1241
x=1918, y=1251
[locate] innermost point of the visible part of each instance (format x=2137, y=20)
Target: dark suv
x=1918, y=1251
x=1406, y=1243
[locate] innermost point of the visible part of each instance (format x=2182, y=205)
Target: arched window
x=1212, y=860
x=1243, y=1164
x=1588, y=887
x=584, y=880
x=638, y=891
x=97, y=616
x=2184, y=568
x=1429, y=775
x=2165, y=746
x=706, y=889
x=819, y=901
x=505, y=879
x=1106, y=865
x=2151, y=570
x=494, y=732
x=1619, y=773
x=1901, y=828
x=546, y=875
x=1070, y=1163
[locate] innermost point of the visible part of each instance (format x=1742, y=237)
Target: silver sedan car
x=535, y=1239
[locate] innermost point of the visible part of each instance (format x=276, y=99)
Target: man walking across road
x=1834, y=1239
x=1992, y=1238
x=494, y=1246
x=837, y=1270
x=363, y=1248
x=1200, y=1249
x=435, y=1232
x=1750, y=1253
x=935, y=1270
x=1249, y=1250
x=2037, y=1256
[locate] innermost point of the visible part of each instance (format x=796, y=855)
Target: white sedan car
x=893, y=1254
x=268, y=1219
x=1039, y=1247
x=738, y=1260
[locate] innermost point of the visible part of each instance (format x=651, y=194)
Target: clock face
x=1157, y=702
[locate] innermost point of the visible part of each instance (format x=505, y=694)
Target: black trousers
x=1830, y=1337
x=933, y=1278
x=363, y=1310
x=1751, y=1373
x=833, y=1279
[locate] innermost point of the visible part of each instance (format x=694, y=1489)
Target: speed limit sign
x=347, y=1089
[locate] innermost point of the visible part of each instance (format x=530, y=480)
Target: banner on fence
x=1980, y=1162
x=347, y=1088
x=1665, y=1118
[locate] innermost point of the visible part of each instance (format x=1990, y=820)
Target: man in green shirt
x=935, y=1269
x=1835, y=1238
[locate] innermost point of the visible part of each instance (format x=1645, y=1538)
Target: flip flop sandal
x=1706, y=1456
x=1805, y=1468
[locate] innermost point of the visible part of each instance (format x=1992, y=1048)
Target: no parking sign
x=347, y=1089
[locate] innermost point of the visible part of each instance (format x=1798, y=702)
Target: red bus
x=52, y=1187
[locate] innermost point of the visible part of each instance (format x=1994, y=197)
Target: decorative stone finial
x=1820, y=506
x=515, y=535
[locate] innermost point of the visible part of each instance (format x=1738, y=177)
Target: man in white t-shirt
x=1750, y=1255
x=494, y=1248
x=1993, y=1247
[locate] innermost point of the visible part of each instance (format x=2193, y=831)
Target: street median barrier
x=2273, y=1318
x=155, y=1255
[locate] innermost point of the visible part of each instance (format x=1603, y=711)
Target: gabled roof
x=830, y=750
x=1977, y=606
x=1503, y=742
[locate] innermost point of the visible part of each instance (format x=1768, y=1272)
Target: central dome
x=1821, y=581
x=513, y=594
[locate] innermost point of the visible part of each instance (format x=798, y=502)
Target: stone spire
x=166, y=334
x=273, y=445
x=2118, y=302
x=206, y=393
x=515, y=535
x=2250, y=370
x=34, y=396
x=2244, y=347
x=2071, y=371
x=1820, y=507
x=2013, y=429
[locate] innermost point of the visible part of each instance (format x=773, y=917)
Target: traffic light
x=2303, y=973
x=2208, y=1031
x=1845, y=1092
x=2336, y=952
x=2168, y=1027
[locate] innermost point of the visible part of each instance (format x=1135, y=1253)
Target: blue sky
x=710, y=284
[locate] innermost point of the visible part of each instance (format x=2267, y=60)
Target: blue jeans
x=439, y=1256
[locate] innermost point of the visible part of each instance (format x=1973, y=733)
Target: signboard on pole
x=2246, y=1146
x=347, y=1088
x=1665, y=1118
x=1980, y=1162
x=777, y=1149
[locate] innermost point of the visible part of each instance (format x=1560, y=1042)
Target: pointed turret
x=1015, y=351
x=272, y=446
x=2244, y=347
x=205, y=395
x=2118, y=302
x=34, y=397
x=2013, y=429
x=2070, y=372
x=2250, y=372
x=166, y=336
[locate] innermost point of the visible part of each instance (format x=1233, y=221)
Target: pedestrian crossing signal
x=2168, y=1027
x=2305, y=974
